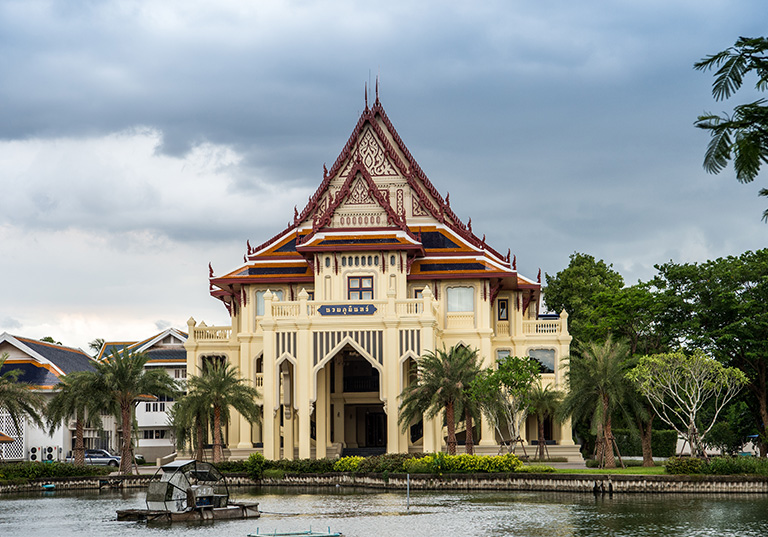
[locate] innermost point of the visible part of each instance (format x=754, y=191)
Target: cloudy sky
x=141, y=140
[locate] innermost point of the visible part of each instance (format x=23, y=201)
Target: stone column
x=271, y=389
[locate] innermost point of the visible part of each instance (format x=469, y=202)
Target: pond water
x=365, y=513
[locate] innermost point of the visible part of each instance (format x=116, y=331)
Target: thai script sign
x=348, y=309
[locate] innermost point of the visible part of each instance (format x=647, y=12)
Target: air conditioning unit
x=51, y=453
x=35, y=453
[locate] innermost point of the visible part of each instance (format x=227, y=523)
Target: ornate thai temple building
x=328, y=316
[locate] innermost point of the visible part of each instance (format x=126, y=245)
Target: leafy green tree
x=597, y=388
x=678, y=386
x=502, y=394
x=220, y=388
x=543, y=403
x=633, y=313
x=576, y=288
x=17, y=398
x=443, y=380
x=719, y=307
x=78, y=396
x=742, y=136
x=49, y=339
x=123, y=379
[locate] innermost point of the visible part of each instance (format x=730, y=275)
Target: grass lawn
x=637, y=470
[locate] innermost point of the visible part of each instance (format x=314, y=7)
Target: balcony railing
x=213, y=333
x=542, y=328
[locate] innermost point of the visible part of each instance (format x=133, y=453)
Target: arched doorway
x=358, y=424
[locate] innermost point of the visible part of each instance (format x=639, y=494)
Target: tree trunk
x=451, y=424
x=79, y=447
x=610, y=460
x=218, y=452
x=199, y=441
x=470, y=444
x=645, y=440
x=125, y=452
x=542, y=440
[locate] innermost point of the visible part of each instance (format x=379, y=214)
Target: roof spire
x=377, y=89
x=366, y=95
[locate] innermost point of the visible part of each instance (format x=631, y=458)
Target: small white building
x=165, y=351
x=43, y=365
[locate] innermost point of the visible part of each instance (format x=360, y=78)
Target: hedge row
x=718, y=466
x=21, y=472
x=256, y=466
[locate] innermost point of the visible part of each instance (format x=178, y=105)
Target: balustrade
x=213, y=333
x=549, y=327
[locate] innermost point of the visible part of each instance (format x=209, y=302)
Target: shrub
x=422, y=465
x=440, y=463
x=21, y=472
x=347, y=464
x=684, y=465
x=304, y=466
x=273, y=473
x=393, y=463
x=736, y=465
x=255, y=465
x=535, y=469
x=232, y=467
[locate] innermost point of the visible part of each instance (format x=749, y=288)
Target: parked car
x=100, y=457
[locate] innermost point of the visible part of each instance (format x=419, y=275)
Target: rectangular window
x=310, y=295
x=418, y=293
x=360, y=288
x=277, y=296
x=502, y=308
x=502, y=353
x=460, y=299
x=545, y=357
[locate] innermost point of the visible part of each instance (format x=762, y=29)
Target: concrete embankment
x=584, y=483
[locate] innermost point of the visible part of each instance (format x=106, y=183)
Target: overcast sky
x=141, y=140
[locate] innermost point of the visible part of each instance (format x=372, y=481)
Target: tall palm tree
x=17, y=398
x=543, y=403
x=597, y=388
x=189, y=418
x=221, y=387
x=80, y=397
x=443, y=380
x=124, y=381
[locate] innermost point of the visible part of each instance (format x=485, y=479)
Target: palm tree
x=543, y=403
x=123, y=380
x=597, y=387
x=190, y=417
x=17, y=398
x=221, y=387
x=80, y=397
x=443, y=380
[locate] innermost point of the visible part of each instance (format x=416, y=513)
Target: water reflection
x=365, y=513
